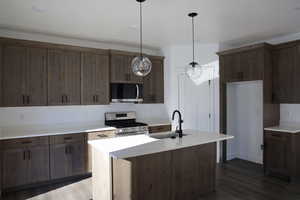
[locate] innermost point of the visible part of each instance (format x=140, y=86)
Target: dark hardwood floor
x=236, y=180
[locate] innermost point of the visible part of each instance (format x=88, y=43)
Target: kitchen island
x=142, y=167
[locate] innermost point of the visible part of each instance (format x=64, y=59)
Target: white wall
x=290, y=114
x=74, y=114
x=195, y=101
x=62, y=114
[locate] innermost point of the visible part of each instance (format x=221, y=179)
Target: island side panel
x=180, y=174
x=194, y=171
x=102, y=175
x=144, y=177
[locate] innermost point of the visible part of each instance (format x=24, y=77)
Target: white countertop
x=53, y=129
x=15, y=132
x=131, y=146
x=284, y=128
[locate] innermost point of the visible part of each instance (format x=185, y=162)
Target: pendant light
x=141, y=65
x=193, y=71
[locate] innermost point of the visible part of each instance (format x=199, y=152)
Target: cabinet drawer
x=69, y=138
x=160, y=128
x=24, y=142
x=277, y=135
x=101, y=135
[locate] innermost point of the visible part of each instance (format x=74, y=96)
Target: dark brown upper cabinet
x=24, y=76
x=244, y=64
x=120, y=68
x=64, y=72
x=285, y=66
x=95, y=79
x=154, y=82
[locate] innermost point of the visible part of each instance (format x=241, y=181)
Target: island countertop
x=138, y=145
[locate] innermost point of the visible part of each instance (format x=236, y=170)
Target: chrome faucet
x=180, y=121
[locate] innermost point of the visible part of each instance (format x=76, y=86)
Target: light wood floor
x=237, y=180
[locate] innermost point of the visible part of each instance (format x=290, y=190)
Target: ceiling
x=165, y=21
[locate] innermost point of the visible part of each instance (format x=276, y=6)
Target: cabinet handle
x=27, y=142
x=62, y=98
x=29, y=155
x=66, y=150
x=28, y=99
x=67, y=138
x=70, y=149
x=23, y=98
x=24, y=155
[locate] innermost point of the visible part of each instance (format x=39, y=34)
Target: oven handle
x=137, y=91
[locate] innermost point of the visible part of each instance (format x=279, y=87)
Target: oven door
x=126, y=93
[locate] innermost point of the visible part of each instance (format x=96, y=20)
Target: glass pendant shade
x=141, y=66
x=194, y=72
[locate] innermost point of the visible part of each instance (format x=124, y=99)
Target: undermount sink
x=172, y=135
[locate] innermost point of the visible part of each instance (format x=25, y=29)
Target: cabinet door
x=36, y=77
x=285, y=64
x=154, y=83
x=276, y=153
x=77, y=158
x=14, y=168
x=1, y=73
x=14, y=64
x=118, y=72
x=121, y=71
x=59, y=161
x=296, y=77
x=63, y=77
x=95, y=79
x=232, y=68
x=56, y=79
x=38, y=164
x=252, y=65
x=72, y=77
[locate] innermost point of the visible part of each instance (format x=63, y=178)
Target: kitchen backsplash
x=73, y=114
x=290, y=113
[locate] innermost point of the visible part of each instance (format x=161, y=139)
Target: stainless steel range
x=125, y=122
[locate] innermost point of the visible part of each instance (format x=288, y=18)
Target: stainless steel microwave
x=126, y=93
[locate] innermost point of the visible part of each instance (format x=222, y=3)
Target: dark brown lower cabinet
x=68, y=157
x=30, y=161
x=15, y=167
x=282, y=154
x=24, y=163
x=181, y=174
